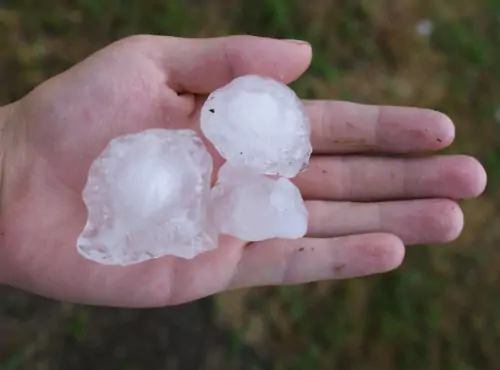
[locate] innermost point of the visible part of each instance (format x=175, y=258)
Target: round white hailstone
x=258, y=123
x=425, y=27
x=147, y=196
x=255, y=207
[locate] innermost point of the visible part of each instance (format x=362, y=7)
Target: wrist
x=6, y=113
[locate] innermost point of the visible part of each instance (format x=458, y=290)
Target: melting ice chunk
x=147, y=196
x=258, y=123
x=254, y=207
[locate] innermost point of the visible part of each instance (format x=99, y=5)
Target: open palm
x=363, y=209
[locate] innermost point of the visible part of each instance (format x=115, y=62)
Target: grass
x=13, y=361
x=440, y=311
x=77, y=326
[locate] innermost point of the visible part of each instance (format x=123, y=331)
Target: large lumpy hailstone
x=147, y=196
x=258, y=123
x=255, y=207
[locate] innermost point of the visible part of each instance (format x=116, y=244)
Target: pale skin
x=364, y=208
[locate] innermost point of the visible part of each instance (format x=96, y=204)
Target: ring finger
x=415, y=222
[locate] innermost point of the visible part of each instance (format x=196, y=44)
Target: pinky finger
x=283, y=262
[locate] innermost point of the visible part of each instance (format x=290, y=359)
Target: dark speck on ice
x=211, y=110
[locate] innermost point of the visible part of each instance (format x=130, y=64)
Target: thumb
x=203, y=65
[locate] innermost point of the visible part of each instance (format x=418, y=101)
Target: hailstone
x=255, y=207
x=258, y=123
x=147, y=196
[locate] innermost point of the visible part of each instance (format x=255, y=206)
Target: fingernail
x=298, y=42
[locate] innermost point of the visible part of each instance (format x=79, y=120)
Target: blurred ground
x=440, y=311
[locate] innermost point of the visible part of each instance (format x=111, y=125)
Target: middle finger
x=378, y=178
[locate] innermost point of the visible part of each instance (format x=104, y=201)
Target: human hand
x=363, y=208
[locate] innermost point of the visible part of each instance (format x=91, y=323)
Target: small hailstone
x=258, y=123
x=425, y=27
x=254, y=207
x=147, y=196
x=497, y=115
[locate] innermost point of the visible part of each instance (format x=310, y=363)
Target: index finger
x=343, y=127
